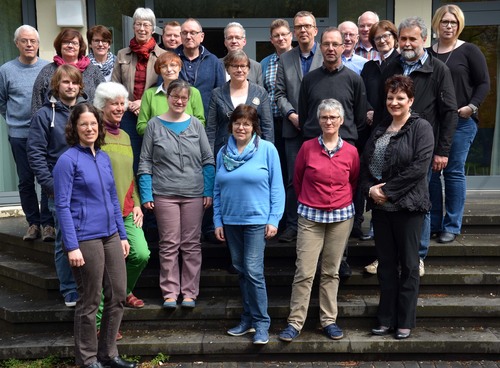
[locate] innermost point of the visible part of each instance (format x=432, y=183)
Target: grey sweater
x=16, y=87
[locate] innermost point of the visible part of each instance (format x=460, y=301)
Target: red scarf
x=81, y=64
x=143, y=51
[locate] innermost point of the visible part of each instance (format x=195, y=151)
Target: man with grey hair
x=201, y=68
x=235, y=39
x=435, y=99
x=354, y=62
x=16, y=86
x=364, y=48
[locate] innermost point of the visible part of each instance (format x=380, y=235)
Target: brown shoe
x=48, y=233
x=32, y=233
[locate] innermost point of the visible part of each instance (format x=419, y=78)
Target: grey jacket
x=288, y=79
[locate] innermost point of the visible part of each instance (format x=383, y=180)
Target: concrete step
x=40, y=280
x=22, y=312
x=199, y=343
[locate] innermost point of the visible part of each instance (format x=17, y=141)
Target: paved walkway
x=346, y=364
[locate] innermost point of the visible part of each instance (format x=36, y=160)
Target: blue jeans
x=246, y=244
x=67, y=282
x=454, y=182
x=27, y=190
x=425, y=238
x=292, y=147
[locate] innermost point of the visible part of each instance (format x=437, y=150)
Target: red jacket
x=322, y=182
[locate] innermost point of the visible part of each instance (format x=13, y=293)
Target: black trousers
x=397, y=239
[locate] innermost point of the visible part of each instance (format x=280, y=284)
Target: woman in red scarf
x=70, y=49
x=135, y=70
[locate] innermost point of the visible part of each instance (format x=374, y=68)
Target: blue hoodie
x=47, y=140
x=86, y=202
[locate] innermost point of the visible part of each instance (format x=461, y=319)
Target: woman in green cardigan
x=154, y=99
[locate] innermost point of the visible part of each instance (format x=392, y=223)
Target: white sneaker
x=421, y=268
x=372, y=267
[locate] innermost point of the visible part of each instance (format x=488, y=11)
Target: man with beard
x=435, y=99
x=46, y=143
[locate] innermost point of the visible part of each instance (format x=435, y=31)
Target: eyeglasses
x=24, y=41
x=307, y=27
x=177, y=98
x=235, y=38
x=92, y=124
x=97, y=42
x=449, y=23
x=350, y=35
x=192, y=33
x=143, y=25
x=236, y=67
x=332, y=44
x=164, y=67
x=71, y=43
x=280, y=35
x=332, y=118
x=245, y=125
x=384, y=37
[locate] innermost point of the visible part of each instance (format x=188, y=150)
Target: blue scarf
x=232, y=158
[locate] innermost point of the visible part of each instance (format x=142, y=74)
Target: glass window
x=239, y=8
x=483, y=152
x=109, y=13
x=351, y=10
x=8, y=51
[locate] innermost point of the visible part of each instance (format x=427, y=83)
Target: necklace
x=451, y=52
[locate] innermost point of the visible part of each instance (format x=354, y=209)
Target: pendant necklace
x=451, y=52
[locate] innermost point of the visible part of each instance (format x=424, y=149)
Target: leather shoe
x=381, y=330
x=118, y=362
x=400, y=335
x=446, y=237
x=93, y=365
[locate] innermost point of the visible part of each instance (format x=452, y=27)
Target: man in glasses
x=235, y=39
x=292, y=67
x=281, y=39
x=201, y=68
x=435, y=100
x=16, y=86
x=349, y=58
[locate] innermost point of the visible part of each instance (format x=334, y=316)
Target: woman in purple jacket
x=94, y=236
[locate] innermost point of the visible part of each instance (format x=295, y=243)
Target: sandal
x=133, y=302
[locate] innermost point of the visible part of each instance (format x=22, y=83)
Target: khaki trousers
x=315, y=239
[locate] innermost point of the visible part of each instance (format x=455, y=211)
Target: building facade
x=49, y=16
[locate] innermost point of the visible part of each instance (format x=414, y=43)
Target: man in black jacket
x=435, y=98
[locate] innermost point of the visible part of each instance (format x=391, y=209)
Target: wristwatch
x=473, y=108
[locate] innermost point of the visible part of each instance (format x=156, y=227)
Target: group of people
x=238, y=151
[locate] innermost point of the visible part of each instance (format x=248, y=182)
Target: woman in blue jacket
x=94, y=236
x=249, y=200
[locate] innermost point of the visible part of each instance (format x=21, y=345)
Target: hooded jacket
x=47, y=139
